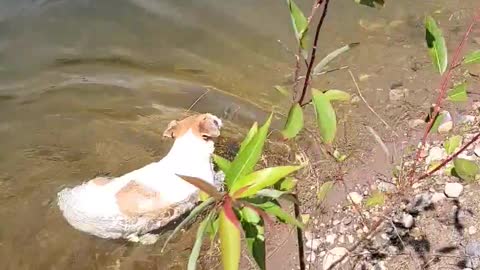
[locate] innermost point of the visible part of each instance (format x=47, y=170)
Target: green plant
x=245, y=205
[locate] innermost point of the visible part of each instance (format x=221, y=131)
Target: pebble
x=333, y=256
x=472, y=251
x=314, y=244
x=420, y=203
x=407, y=220
x=341, y=239
x=347, y=220
x=350, y=238
x=309, y=235
x=438, y=197
x=379, y=266
x=330, y=239
x=467, y=119
x=436, y=153
x=355, y=197
x=355, y=99
x=453, y=190
x=386, y=187
x=472, y=230
x=311, y=257
x=396, y=94
x=322, y=254
x=336, y=222
x=447, y=123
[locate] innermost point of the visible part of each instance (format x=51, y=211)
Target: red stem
x=313, y=53
x=446, y=78
x=450, y=158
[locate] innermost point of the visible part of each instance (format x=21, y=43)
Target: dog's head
x=205, y=126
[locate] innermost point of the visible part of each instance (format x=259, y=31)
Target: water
x=86, y=88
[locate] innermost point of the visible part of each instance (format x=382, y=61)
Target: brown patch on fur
x=100, y=181
x=136, y=200
x=201, y=125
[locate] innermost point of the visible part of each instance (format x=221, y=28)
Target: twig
x=379, y=140
x=197, y=100
x=368, y=105
x=301, y=246
x=443, y=90
x=313, y=52
x=450, y=158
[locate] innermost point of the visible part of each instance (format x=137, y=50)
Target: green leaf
x=324, y=190
x=377, y=198
x=255, y=239
x=452, y=143
x=438, y=121
x=334, y=95
x=326, y=118
x=294, y=122
x=472, y=58
x=329, y=58
x=271, y=193
x=466, y=169
x=252, y=132
x=287, y=184
x=277, y=211
x=192, y=260
x=249, y=215
x=282, y=89
x=338, y=156
x=223, y=163
x=299, y=22
x=229, y=242
x=212, y=228
x=197, y=210
x=458, y=93
x=261, y=179
x=204, y=186
x=246, y=159
x=371, y=3
x=436, y=45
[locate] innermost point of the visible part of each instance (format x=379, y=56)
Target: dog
x=134, y=204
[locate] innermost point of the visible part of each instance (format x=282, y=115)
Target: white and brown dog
x=146, y=199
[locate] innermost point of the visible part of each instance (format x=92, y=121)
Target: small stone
x=309, y=235
x=341, y=239
x=416, y=185
x=350, y=238
x=311, y=257
x=347, y=220
x=472, y=230
x=415, y=123
x=453, y=190
x=396, y=94
x=330, y=239
x=438, y=197
x=436, y=153
x=149, y=239
x=321, y=254
x=447, y=123
x=467, y=119
x=407, y=220
x=336, y=222
x=472, y=251
x=355, y=197
x=420, y=203
x=379, y=266
x=313, y=244
x=386, y=187
x=335, y=255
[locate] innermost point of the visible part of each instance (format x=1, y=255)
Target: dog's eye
x=205, y=137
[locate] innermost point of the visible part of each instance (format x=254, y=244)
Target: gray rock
x=436, y=153
x=420, y=203
x=386, y=187
x=330, y=239
x=472, y=252
x=453, y=190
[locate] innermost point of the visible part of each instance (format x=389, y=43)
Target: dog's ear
x=171, y=128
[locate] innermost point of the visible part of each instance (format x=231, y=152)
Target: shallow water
x=86, y=88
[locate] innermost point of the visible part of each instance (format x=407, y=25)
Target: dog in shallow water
x=146, y=199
